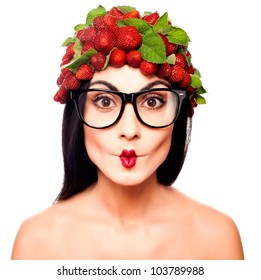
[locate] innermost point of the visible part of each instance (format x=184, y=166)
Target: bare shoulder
x=217, y=231
x=39, y=236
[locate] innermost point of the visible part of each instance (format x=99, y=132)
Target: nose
x=129, y=126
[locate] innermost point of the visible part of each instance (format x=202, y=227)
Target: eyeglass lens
x=155, y=108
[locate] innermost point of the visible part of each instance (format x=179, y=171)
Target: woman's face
x=128, y=152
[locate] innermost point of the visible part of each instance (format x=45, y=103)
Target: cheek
x=159, y=145
x=99, y=144
x=94, y=143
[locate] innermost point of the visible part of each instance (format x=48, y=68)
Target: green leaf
x=195, y=81
x=196, y=71
x=126, y=9
x=201, y=90
x=108, y=59
x=171, y=59
x=199, y=99
x=178, y=36
x=161, y=24
x=80, y=27
x=143, y=26
x=76, y=62
x=77, y=49
x=100, y=11
x=153, y=48
x=68, y=41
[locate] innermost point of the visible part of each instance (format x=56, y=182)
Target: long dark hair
x=80, y=172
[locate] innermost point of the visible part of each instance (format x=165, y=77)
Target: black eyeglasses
x=101, y=108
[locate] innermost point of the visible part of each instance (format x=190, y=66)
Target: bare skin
x=169, y=225
x=127, y=214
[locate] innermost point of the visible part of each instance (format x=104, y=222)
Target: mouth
x=128, y=158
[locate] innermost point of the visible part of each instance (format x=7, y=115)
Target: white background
x=222, y=168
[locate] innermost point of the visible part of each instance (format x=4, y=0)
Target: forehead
x=126, y=78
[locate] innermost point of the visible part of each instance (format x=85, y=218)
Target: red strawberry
x=190, y=89
x=87, y=46
x=105, y=41
x=148, y=68
x=84, y=72
x=117, y=58
x=151, y=18
x=70, y=82
x=110, y=22
x=165, y=40
x=188, y=54
x=194, y=103
x=177, y=74
x=60, y=79
x=180, y=60
x=87, y=34
x=134, y=58
x=115, y=12
x=61, y=95
x=99, y=23
x=189, y=69
x=186, y=81
x=70, y=51
x=132, y=14
x=64, y=70
x=171, y=48
x=164, y=70
x=98, y=60
x=128, y=38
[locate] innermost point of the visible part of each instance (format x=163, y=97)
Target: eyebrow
x=112, y=87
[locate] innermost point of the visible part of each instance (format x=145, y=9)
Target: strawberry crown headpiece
x=122, y=36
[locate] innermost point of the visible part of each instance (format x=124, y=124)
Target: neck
x=128, y=204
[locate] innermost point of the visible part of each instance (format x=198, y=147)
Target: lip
x=128, y=158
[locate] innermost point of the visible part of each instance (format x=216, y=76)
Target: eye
x=153, y=102
x=104, y=101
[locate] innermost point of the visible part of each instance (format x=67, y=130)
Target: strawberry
x=148, y=68
x=117, y=58
x=64, y=70
x=128, y=38
x=177, y=74
x=151, y=18
x=132, y=14
x=134, y=58
x=171, y=48
x=110, y=22
x=115, y=12
x=180, y=60
x=165, y=40
x=61, y=95
x=189, y=69
x=84, y=72
x=105, y=41
x=99, y=23
x=186, y=81
x=87, y=34
x=98, y=60
x=164, y=70
x=60, y=79
x=70, y=82
x=87, y=46
x=194, y=103
x=69, y=53
x=190, y=89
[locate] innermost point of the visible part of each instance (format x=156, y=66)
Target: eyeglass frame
x=127, y=98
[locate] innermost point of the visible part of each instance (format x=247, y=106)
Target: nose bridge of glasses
x=128, y=97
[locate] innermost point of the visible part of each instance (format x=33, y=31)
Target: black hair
x=80, y=172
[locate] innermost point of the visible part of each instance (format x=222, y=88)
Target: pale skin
x=127, y=214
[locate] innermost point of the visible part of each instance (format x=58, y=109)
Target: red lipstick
x=128, y=158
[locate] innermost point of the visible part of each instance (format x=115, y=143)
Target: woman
x=129, y=88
